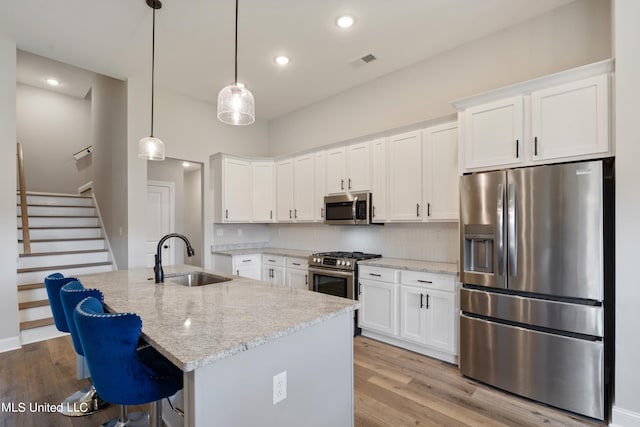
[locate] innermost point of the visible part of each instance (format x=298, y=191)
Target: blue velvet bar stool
x=122, y=372
x=85, y=401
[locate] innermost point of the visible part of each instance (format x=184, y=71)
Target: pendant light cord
x=153, y=62
x=236, y=57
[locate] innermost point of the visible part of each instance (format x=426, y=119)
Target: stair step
x=61, y=253
x=56, y=199
x=31, y=304
x=42, y=233
x=57, y=210
x=38, y=275
x=30, y=286
x=45, y=260
x=60, y=221
x=31, y=324
x=61, y=267
x=61, y=245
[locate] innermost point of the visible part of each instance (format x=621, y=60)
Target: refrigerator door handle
x=500, y=229
x=512, y=231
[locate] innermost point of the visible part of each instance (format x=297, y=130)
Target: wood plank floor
x=397, y=388
x=393, y=388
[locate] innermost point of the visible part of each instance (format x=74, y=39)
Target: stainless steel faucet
x=157, y=268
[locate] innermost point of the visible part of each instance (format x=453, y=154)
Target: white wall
x=193, y=224
x=9, y=250
x=190, y=131
x=626, y=411
x=576, y=34
x=51, y=127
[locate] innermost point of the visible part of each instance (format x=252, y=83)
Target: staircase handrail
x=26, y=241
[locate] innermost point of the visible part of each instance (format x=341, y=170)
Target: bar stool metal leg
x=83, y=402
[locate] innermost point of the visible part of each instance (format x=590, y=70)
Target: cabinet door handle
x=421, y=303
x=237, y=272
x=517, y=148
x=359, y=288
x=289, y=213
x=535, y=146
x=306, y=279
x=349, y=183
x=270, y=214
x=246, y=260
x=427, y=301
x=321, y=212
x=374, y=211
x=295, y=263
x=295, y=213
x=375, y=275
x=271, y=260
x=428, y=209
x=418, y=210
x=424, y=281
x=342, y=184
x=226, y=213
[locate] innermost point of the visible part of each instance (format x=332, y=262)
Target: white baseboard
x=8, y=344
x=624, y=418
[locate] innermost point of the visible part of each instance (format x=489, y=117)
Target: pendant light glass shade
x=236, y=105
x=151, y=148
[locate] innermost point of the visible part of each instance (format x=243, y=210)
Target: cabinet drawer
x=269, y=259
x=442, y=282
x=300, y=263
x=378, y=273
x=246, y=260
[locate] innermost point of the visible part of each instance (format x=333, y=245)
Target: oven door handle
x=328, y=272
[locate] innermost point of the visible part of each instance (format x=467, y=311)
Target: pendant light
x=150, y=147
x=236, y=105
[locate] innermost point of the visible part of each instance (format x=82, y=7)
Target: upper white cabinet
x=263, y=191
x=440, y=171
x=379, y=182
x=557, y=118
x=320, y=171
x=232, y=187
x=494, y=133
x=571, y=119
x=347, y=168
x=294, y=189
x=405, y=177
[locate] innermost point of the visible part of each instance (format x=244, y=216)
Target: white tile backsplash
x=430, y=242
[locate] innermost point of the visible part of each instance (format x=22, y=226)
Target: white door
x=413, y=325
x=440, y=166
x=319, y=172
x=336, y=171
x=441, y=319
x=297, y=279
x=237, y=190
x=284, y=190
x=160, y=220
x=405, y=177
x=303, y=188
x=379, y=180
x=262, y=192
x=358, y=162
x=378, y=306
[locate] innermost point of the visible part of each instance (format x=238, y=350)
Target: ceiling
x=194, y=42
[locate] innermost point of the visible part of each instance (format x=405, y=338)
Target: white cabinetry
x=418, y=313
x=405, y=177
x=294, y=189
x=570, y=119
x=297, y=273
x=494, y=133
x=440, y=172
x=273, y=268
x=378, y=296
x=557, y=118
x=262, y=191
x=348, y=168
x=247, y=265
x=379, y=183
x=232, y=187
x=319, y=164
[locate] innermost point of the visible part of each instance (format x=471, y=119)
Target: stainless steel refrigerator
x=537, y=271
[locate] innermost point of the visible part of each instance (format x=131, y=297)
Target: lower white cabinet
x=240, y=265
x=273, y=274
x=296, y=278
x=409, y=309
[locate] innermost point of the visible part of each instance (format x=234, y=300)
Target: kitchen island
x=230, y=339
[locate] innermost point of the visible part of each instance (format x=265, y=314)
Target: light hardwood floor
x=393, y=388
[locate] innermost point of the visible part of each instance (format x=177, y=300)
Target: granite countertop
x=196, y=326
x=413, y=264
x=295, y=253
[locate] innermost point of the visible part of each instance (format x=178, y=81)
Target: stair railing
x=26, y=242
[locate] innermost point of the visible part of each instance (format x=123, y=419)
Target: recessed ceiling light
x=281, y=60
x=344, y=21
x=53, y=82
x=186, y=164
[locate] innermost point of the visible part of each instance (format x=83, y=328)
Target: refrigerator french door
x=536, y=267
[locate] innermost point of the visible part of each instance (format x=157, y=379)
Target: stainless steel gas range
x=336, y=273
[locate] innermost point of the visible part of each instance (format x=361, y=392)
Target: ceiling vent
x=363, y=60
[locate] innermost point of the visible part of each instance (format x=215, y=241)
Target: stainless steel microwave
x=354, y=208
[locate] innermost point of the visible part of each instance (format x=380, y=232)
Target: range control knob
x=348, y=263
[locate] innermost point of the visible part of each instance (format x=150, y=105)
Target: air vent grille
x=370, y=57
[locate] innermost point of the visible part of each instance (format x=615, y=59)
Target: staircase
x=67, y=237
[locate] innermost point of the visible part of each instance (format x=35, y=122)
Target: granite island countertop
x=413, y=264
x=295, y=253
x=195, y=326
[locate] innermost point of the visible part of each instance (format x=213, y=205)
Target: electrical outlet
x=279, y=387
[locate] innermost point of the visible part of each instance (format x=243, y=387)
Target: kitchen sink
x=195, y=278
